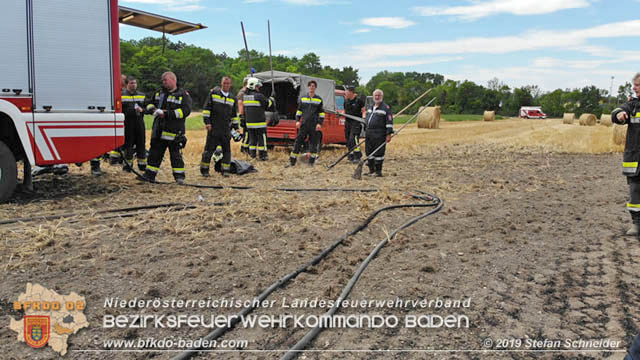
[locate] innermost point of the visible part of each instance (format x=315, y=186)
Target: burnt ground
x=534, y=238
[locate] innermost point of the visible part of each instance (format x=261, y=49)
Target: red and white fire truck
x=532, y=112
x=59, y=84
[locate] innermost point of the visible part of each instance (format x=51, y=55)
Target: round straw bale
x=605, y=120
x=489, y=116
x=619, y=134
x=568, y=118
x=429, y=118
x=587, y=119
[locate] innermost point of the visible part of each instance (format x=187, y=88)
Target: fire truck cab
x=289, y=88
x=60, y=95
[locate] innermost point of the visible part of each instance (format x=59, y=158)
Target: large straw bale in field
x=568, y=118
x=619, y=134
x=489, y=116
x=429, y=118
x=605, y=120
x=587, y=119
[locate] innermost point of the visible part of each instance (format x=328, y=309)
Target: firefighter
x=219, y=116
x=254, y=105
x=134, y=136
x=244, y=147
x=353, y=105
x=115, y=155
x=169, y=106
x=629, y=113
x=379, y=121
x=309, y=118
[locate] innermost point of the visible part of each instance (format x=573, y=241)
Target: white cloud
x=478, y=10
x=316, y=2
x=406, y=63
x=389, y=22
x=538, y=40
x=360, y=31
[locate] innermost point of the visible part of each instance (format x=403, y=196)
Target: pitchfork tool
x=246, y=47
x=362, y=142
x=357, y=174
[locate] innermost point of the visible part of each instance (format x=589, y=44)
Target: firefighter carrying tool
x=134, y=131
x=255, y=104
x=219, y=116
x=170, y=107
x=309, y=118
x=379, y=129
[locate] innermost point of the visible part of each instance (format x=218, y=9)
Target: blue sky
x=549, y=43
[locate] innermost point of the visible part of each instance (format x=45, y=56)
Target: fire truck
x=289, y=88
x=60, y=95
x=532, y=112
x=59, y=84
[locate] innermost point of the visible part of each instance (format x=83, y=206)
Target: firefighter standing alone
x=219, y=116
x=379, y=121
x=170, y=107
x=254, y=105
x=134, y=131
x=629, y=113
x=309, y=119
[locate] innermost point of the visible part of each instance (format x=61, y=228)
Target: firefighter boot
x=292, y=160
x=95, y=168
x=379, y=169
x=263, y=155
x=142, y=164
x=356, y=157
x=372, y=167
x=148, y=175
x=126, y=165
x=312, y=160
x=60, y=169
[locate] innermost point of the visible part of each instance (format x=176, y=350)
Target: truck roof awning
x=156, y=22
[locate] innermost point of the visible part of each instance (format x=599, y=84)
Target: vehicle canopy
x=298, y=82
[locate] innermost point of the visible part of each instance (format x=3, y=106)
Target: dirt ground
x=532, y=232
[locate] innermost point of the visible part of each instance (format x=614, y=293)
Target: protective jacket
x=176, y=107
x=632, y=146
x=379, y=120
x=310, y=110
x=353, y=107
x=255, y=104
x=129, y=102
x=220, y=112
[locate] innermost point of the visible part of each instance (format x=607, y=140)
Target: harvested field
x=531, y=231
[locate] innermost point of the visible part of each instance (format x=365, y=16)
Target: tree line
x=200, y=69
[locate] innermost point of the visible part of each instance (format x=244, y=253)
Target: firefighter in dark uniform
x=219, y=116
x=309, y=119
x=353, y=105
x=170, y=107
x=255, y=104
x=134, y=131
x=244, y=147
x=379, y=121
x=629, y=113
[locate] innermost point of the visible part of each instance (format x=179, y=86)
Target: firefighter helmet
x=253, y=83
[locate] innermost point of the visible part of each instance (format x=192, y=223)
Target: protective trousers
x=258, y=142
x=315, y=137
x=156, y=153
x=634, y=198
x=352, y=131
x=375, y=161
x=214, y=141
x=244, y=147
x=134, y=136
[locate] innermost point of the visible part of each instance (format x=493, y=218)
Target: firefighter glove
x=181, y=140
x=217, y=155
x=158, y=112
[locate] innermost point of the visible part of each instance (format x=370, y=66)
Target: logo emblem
x=36, y=330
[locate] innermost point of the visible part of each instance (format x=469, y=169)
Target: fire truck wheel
x=8, y=173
